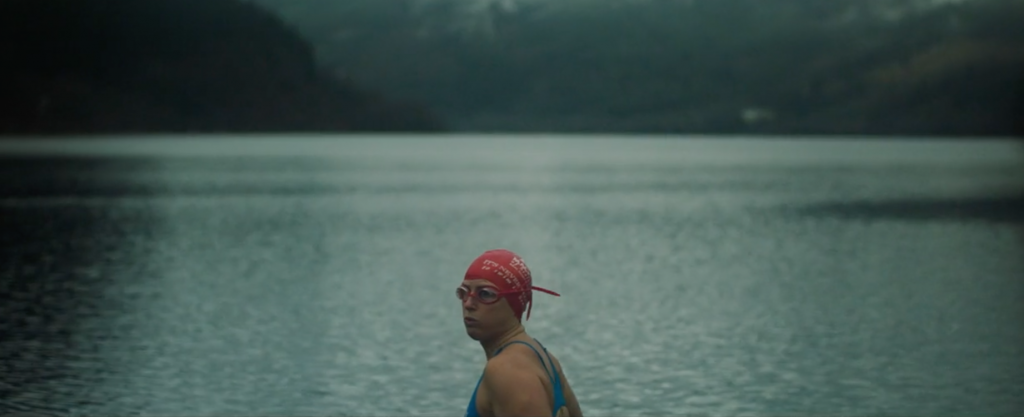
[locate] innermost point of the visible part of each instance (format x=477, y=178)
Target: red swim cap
x=508, y=272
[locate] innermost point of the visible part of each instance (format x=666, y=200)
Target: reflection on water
x=320, y=283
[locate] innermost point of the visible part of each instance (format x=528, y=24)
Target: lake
x=315, y=275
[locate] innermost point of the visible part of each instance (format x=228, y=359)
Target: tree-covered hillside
x=108, y=66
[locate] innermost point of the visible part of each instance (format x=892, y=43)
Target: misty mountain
x=481, y=17
x=948, y=67
x=892, y=67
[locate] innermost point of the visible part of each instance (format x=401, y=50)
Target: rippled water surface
x=314, y=277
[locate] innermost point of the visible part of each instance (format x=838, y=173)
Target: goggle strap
x=529, y=307
x=545, y=290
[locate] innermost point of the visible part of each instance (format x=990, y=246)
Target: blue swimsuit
x=556, y=382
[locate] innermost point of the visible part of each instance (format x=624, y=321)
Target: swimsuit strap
x=555, y=381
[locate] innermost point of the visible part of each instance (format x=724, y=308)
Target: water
x=315, y=276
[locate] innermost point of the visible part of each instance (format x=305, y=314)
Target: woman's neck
x=491, y=346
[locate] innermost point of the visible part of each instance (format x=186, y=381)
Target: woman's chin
x=473, y=333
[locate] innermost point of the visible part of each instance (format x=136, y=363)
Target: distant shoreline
x=697, y=150
x=484, y=134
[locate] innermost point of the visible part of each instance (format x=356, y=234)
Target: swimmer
x=520, y=378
